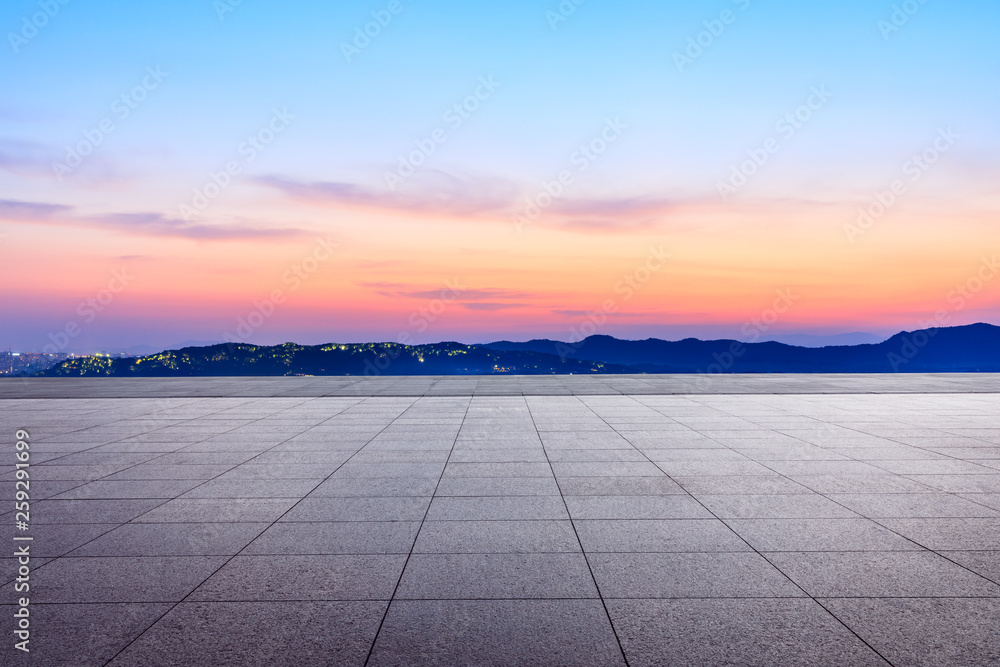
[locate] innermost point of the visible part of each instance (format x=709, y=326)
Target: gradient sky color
x=309, y=241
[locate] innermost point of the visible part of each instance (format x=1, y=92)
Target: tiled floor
x=647, y=529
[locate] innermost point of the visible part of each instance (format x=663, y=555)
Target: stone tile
x=352, y=470
x=937, y=466
x=281, y=471
x=130, y=489
x=496, y=576
x=327, y=577
x=498, y=486
x=594, y=455
x=885, y=483
x=949, y=534
x=173, y=539
x=258, y=634
x=689, y=575
x=523, y=469
x=504, y=632
x=87, y=634
x=52, y=541
x=121, y=579
x=497, y=537
x=912, y=505
x=933, y=632
x=658, y=536
x=881, y=574
x=636, y=507
x=497, y=508
x=979, y=483
x=498, y=455
x=606, y=469
x=619, y=486
x=790, y=506
x=80, y=473
x=374, y=487
x=218, y=510
x=350, y=537
x=984, y=563
x=767, y=633
x=52, y=511
x=740, y=485
x=713, y=468
x=152, y=471
x=256, y=488
x=991, y=500
x=400, y=508
x=819, y=535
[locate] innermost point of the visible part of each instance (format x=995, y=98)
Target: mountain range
x=971, y=348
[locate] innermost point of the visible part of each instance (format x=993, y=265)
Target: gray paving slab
x=513, y=520
x=819, y=535
x=173, y=539
x=689, y=575
x=763, y=633
x=261, y=634
x=83, y=635
x=932, y=632
x=657, y=536
x=496, y=576
x=327, y=577
x=883, y=574
x=496, y=632
x=122, y=579
x=497, y=537
x=342, y=537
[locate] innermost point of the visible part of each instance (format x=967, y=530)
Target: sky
x=420, y=170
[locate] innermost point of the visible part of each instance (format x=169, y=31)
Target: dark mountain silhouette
x=333, y=359
x=972, y=348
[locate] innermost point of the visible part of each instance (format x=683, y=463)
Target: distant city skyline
x=430, y=171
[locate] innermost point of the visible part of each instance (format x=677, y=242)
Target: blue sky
x=226, y=73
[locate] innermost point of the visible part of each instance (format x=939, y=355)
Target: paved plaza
x=584, y=520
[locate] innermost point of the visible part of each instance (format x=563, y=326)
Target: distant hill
x=973, y=348
x=333, y=359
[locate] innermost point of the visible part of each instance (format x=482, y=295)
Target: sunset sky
x=474, y=171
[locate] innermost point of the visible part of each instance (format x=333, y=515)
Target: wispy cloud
x=443, y=195
x=399, y=290
x=437, y=194
x=23, y=211
x=142, y=224
x=487, y=299
x=25, y=157
x=489, y=306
